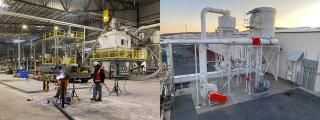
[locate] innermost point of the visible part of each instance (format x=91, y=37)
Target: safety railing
x=63, y=60
x=49, y=60
x=68, y=60
x=119, y=53
x=61, y=34
x=76, y=35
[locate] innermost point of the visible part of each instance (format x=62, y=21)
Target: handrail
x=61, y=34
x=119, y=53
x=63, y=60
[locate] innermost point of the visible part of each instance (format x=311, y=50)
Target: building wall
x=309, y=43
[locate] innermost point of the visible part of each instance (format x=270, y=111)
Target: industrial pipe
x=202, y=47
x=203, y=18
x=2, y=12
x=228, y=41
x=213, y=10
x=146, y=27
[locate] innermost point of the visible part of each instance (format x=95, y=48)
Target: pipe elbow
x=205, y=10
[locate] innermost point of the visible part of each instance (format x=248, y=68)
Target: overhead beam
x=48, y=20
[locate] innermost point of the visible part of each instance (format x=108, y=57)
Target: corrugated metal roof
x=298, y=30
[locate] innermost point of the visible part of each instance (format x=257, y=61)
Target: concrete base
x=291, y=105
x=237, y=93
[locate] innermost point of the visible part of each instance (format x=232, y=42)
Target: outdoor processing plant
x=232, y=74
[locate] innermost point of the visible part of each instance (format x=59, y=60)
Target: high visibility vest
x=98, y=75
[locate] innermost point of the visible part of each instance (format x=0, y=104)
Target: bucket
x=23, y=74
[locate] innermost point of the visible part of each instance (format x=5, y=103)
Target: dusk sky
x=290, y=13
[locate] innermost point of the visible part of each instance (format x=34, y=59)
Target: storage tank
x=155, y=38
x=226, y=25
x=262, y=22
x=114, y=39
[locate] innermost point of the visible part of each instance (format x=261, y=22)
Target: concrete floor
x=14, y=105
x=141, y=101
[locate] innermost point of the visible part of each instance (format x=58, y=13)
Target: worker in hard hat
x=62, y=83
x=98, y=78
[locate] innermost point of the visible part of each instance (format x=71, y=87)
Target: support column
x=196, y=69
x=83, y=46
x=19, y=53
x=170, y=62
x=278, y=58
x=203, y=62
x=31, y=53
x=55, y=51
x=43, y=49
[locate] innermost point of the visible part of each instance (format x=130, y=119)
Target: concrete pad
x=184, y=104
x=291, y=105
x=237, y=93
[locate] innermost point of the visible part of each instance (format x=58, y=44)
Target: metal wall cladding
x=310, y=68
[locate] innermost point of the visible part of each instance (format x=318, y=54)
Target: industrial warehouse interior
x=79, y=59
x=240, y=60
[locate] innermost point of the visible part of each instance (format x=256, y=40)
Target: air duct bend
x=214, y=10
x=146, y=27
x=203, y=18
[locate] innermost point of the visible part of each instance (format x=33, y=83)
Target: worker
x=98, y=78
x=62, y=81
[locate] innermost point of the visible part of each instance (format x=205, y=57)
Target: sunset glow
x=290, y=13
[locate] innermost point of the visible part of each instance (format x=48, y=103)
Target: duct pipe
x=203, y=47
x=90, y=41
x=228, y=41
x=146, y=27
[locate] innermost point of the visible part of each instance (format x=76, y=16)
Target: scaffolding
x=59, y=48
x=62, y=34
